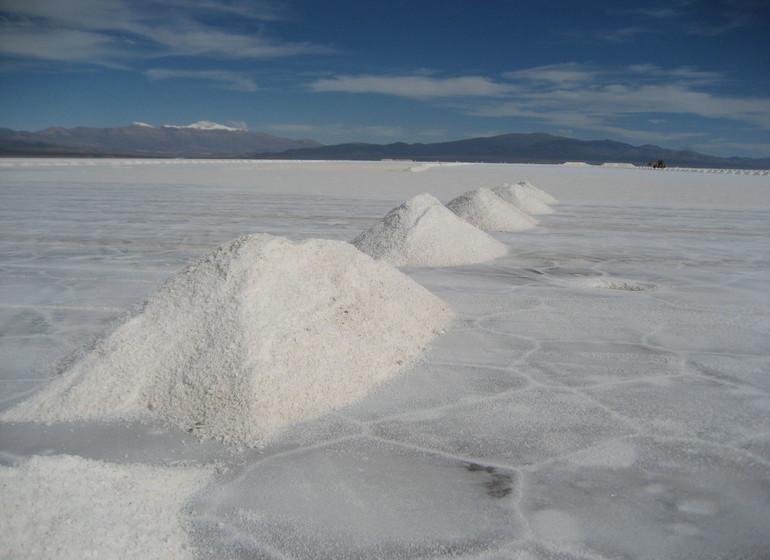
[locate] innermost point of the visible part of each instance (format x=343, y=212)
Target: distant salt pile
x=256, y=335
x=64, y=507
x=521, y=198
x=487, y=211
x=423, y=232
x=539, y=194
x=420, y=167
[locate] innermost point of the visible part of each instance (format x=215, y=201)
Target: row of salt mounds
x=64, y=507
x=521, y=198
x=487, y=211
x=424, y=232
x=256, y=335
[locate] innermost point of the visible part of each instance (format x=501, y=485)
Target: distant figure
x=660, y=164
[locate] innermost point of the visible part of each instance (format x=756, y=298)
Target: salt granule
x=258, y=334
x=423, y=232
x=487, y=211
x=65, y=507
x=522, y=198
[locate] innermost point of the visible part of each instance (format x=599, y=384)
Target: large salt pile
x=423, y=232
x=258, y=334
x=487, y=211
x=522, y=198
x=65, y=507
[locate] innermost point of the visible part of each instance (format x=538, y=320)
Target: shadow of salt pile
x=526, y=197
x=423, y=232
x=488, y=211
x=251, y=338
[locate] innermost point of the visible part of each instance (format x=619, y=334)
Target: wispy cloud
x=630, y=102
x=414, y=86
x=107, y=31
x=567, y=74
x=689, y=17
x=221, y=78
x=610, y=95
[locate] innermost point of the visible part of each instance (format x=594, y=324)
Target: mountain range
x=523, y=148
x=198, y=140
x=206, y=139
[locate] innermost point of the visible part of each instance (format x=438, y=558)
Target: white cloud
x=223, y=78
x=56, y=45
x=593, y=98
x=625, y=101
x=562, y=74
x=414, y=86
x=103, y=31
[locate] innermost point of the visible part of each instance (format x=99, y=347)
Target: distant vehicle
x=660, y=164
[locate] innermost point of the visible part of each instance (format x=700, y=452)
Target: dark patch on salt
x=497, y=485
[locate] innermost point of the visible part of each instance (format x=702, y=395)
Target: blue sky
x=683, y=74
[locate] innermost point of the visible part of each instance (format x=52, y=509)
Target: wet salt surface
x=604, y=394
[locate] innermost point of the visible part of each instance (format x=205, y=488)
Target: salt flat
x=604, y=393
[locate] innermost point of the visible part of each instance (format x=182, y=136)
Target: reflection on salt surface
x=564, y=417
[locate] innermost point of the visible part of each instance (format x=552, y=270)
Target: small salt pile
x=487, y=211
x=522, y=198
x=423, y=232
x=64, y=507
x=539, y=194
x=256, y=335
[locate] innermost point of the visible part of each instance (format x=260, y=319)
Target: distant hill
x=522, y=148
x=206, y=139
x=201, y=139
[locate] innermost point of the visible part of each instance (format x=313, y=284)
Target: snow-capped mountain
x=205, y=125
x=200, y=139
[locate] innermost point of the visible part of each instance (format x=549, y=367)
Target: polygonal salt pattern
x=363, y=498
x=555, y=421
x=570, y=364
x=663, y=499
x=683, y=407
x=522, y=428
x=431, y=385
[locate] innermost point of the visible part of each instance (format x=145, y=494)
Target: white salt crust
x=487, y=211
x=423, y=232
x=68, y=508
x=256, y=335
x=523, y=199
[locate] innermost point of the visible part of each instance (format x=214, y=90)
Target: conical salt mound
x=539, y=194
x=423, y=232
x=256, y=335
x=521, y=199
x=487, y=211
